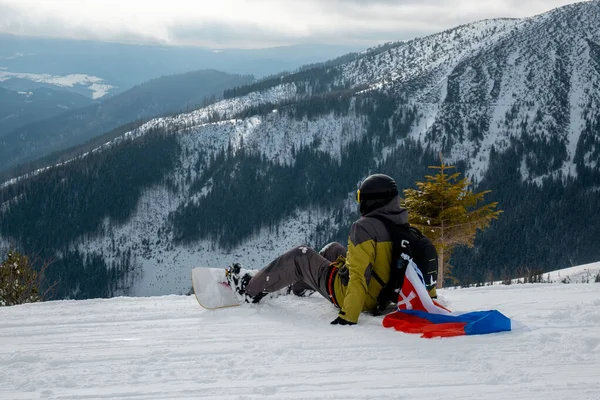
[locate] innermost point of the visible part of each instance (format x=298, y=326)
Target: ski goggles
x=375, y=196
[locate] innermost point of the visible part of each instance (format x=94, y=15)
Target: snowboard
x=211, y=288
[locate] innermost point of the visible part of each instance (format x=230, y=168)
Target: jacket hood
x=392, y=211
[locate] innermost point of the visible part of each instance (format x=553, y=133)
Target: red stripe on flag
x=412, y=324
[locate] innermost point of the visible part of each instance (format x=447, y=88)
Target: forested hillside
x=157, y=97
x=21, y=108
x=514, y=104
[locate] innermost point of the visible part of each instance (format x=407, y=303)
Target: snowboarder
x=352, y=280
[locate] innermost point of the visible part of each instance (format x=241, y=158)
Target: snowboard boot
x=238, y=278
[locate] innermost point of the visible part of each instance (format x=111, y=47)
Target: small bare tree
x=20, y=282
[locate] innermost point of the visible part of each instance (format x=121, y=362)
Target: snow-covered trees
x=448, y=212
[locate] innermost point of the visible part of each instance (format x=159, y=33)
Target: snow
x=170, y=348
x=580, y=79
x=93, y=83
x=423, y=55
x=99, y=90
x=576, y=274
x=585, y=273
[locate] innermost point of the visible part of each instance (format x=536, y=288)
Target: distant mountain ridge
x=92, y=87
x=512, y=103
x=20, y=108
x=123, y=66
x=156, y=97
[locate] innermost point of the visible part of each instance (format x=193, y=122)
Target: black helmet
x=376, y=191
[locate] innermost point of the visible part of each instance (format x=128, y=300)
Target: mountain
x=120, y=66
x=82, y=84
x=21, y=108
x=170, y=348
x=156, y=97
x=513, y=103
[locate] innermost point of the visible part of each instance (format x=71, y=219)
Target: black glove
x=341, y=321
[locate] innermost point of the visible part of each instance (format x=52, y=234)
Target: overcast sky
x=253, y=23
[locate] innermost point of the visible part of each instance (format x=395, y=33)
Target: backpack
x=407, y=240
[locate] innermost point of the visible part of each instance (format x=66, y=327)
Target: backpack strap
x=426, y=257
x=400, y=235
x=408, y=240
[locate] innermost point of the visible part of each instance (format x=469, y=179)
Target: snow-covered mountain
x=284, y=348
x=92, y=86
x=45, y=135
x=501, y=79
x=513, y=103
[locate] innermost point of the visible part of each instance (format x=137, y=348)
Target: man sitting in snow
x=352, y=280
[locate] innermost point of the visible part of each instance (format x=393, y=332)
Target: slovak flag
x=418, y=313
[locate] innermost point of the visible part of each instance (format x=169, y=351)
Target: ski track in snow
x=170, y=348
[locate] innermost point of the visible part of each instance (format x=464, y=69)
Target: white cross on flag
x=414, y=295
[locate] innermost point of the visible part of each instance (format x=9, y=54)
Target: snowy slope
x=577, y=274
x=532, y=84
x=170, y=348
x=497, y=76
x=432, y=57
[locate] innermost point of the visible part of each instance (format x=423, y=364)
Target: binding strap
x=330, y=280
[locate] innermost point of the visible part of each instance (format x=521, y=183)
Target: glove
x=432, y=292
x=341, y=321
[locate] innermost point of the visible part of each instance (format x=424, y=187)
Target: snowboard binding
x=238, y=279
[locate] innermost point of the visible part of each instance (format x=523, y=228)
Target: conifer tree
x=448, y=212
x=19, y=281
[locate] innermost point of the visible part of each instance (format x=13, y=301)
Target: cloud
x=253, y=23
x=25, y=17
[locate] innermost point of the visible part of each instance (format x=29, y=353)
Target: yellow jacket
x=368, y=258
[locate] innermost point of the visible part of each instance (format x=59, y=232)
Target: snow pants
x=301, y=268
